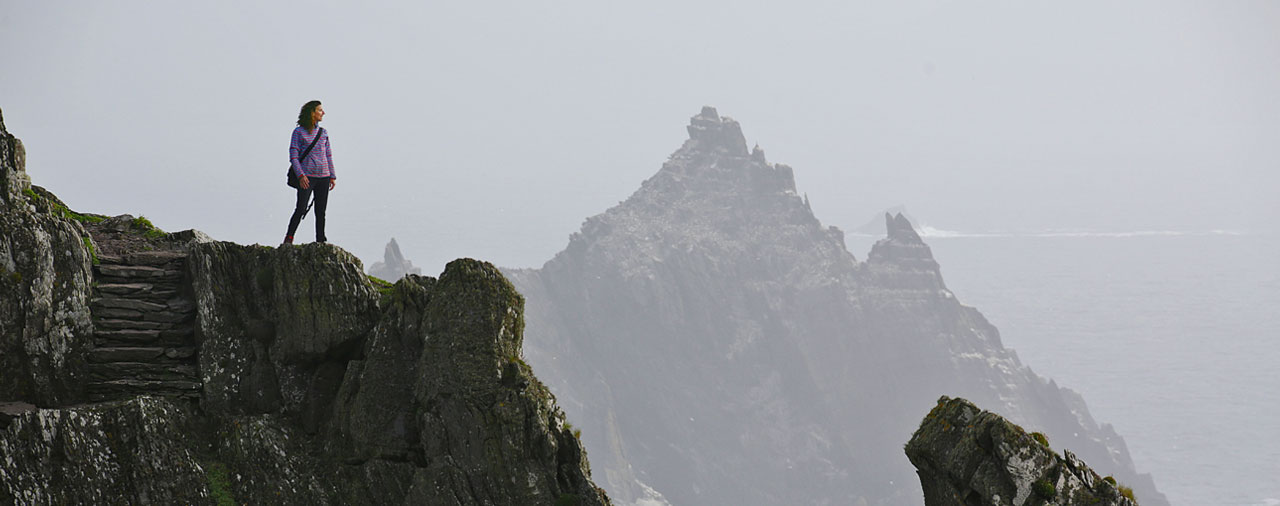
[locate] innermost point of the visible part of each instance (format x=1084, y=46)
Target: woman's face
x=317, y=114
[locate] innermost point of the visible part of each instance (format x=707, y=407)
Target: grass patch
x=142, y=224
x=88, y=243
x=58, y=209
x=1044, y=489
x=219, y=485
x=1126, y=492
x=569, y=500
x=384, y=287
x=1040, y=438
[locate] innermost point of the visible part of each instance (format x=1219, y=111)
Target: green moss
x=88, y=244
x=569, y=500
x=1126, y=492
x=1040, y=438
x=1044, y=489
x=219, y=486
x=383, y=286
x=31, y=194
x=142, y=224
x=386, y=290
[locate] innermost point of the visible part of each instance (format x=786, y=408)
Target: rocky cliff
x=719, y=345
x=139, y=367
x=967, y=456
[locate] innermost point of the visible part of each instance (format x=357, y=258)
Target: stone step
x=151, y=258
x=173, y=305
x=145, y=371
x=170, y=317
x=113, y=324
x=141, y=354
x=137, y=272
x=115, y=313
x=179, y=337
x=124, y=388
x=125, y=288
x=156, y=285
x=138, y=291
x=123, y=303
x=156, y=258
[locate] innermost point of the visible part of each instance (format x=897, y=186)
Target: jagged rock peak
x=709, y=131
x=393, y=265
x=13, y=157
x=964, y=456
x=899, y=228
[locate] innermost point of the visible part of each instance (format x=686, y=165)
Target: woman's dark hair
x=304, y=116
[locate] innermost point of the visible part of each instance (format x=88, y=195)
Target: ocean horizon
x=1170, y=336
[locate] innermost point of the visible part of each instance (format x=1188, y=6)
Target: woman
x=315, y=170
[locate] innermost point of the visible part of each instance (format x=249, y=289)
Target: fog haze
x=493, y=131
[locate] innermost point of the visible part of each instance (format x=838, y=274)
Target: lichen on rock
x=966, y=456
x=45, y=279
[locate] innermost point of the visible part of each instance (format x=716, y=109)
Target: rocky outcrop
x=45, y=277
x=393, y=265
x=170, y=369
x=966, y=456
x=719, y=345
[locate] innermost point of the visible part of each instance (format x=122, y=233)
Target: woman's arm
x=328, y=153
x=295, y=149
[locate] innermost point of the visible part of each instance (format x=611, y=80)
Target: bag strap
x=308, y=151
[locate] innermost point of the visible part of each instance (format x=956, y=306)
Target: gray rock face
x=132, y=452
x=967, y=456
x=45, y=277
x=393, y=265
x=720, y=346
x=311, y=386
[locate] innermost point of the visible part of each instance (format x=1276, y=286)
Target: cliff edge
x=141, y=367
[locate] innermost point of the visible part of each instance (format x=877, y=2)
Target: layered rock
x=301, y=382
x=393, y=265
x=45, y=276
x=720, y=345
x=967, y=456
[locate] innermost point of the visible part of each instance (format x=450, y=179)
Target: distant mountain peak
x=709, y=131
x=899, y=229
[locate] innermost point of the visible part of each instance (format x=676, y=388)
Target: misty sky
x=486, y=130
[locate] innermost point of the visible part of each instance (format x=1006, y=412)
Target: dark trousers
x=320, y=187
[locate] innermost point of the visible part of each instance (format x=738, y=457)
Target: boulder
x=966, y=456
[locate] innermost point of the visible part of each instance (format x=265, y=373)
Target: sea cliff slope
x=719, y=345
x=141, y=367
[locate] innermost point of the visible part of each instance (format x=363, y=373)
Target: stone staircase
x=144, y=339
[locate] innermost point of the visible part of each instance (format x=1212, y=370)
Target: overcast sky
x=486, y=130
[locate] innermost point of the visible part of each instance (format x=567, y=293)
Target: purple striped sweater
x=319, y=162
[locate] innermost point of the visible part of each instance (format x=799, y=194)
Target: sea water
x=1172, y=337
